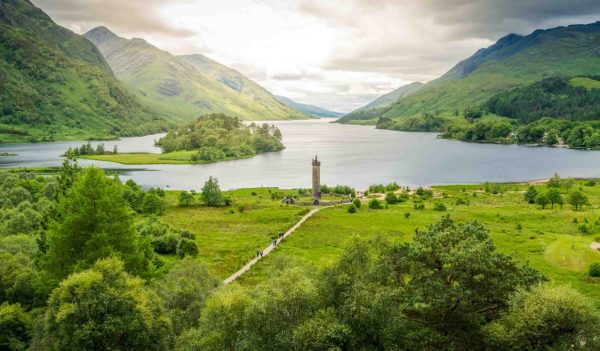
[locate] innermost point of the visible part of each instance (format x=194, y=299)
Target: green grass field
x=585, y=82
x=227, y=237
x=176, y=157
x=548, y=240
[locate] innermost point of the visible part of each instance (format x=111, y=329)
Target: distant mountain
x=310, y=110
x=386, y=100
x=184, y=87
x=512, y=61
x=394, y=96
x=55, y=84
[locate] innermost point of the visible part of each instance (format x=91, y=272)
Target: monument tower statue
x=316, y=180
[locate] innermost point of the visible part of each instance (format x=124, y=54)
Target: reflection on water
x=350, y=155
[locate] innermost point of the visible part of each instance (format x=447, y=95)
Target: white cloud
x=336, y=54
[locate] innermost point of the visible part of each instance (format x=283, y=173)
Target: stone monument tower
x=316, y=180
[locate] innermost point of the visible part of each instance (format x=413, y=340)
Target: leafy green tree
x=577, y=199
x=391, y=198
x=104, y=308
x=187, y=247
x=434, y=293
x=186, y=199
x=552, y=137
x=554, y=197
x=472, y=113
x=554, y=181
x=95, y=223
x=166, y=244
x=20, y=281
x=184, y=290
x=19, y=244
x=542, y=200
x=18, y=195
x=68, y=173
x=531, y=194
x=439, y=206
x=546, y=318
x=279, y=307
x=374, y=204
x=223, y=323
x=594, y=270
x=15, y=327
x=153, y=204
x=211, y=193
x=322, y=332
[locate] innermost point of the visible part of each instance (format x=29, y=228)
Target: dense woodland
x=552, y=97
x=217, y=137
x=550, y=112
x=82, y=267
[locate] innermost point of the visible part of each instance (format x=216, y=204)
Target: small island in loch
x=211, y=138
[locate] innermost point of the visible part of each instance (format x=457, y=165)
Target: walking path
x=270, y=248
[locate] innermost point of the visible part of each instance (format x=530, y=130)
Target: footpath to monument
x=271, y=247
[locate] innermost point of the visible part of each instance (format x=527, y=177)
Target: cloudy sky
x=336, y=54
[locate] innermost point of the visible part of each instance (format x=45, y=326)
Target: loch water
x=350, y=155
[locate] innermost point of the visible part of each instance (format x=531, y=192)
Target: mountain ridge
x=186, y=85
x=56, y=85
x=512, y=61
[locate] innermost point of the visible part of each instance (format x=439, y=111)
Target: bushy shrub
x=186, y=199
x=187, y=247
x=439, y=206
x=462, y=201
x=357, y=203
x=391, y=198
x=403, y=197
x=352, y=209
x=419, y=206
x=594, y=270
x=374, y=204
x=187, y=234
x=424, y=193
x=166, y=244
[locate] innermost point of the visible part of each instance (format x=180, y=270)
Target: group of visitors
x=260, y=253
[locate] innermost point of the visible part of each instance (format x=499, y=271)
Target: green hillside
x=512, y=61
x=184, y=87
x=378, y=105
x=56, y=85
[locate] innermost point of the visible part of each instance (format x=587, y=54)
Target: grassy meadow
x=548, y=239
x=170, y=158
x=228, y=237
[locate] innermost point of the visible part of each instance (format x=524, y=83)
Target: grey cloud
x=442, y=32
x=130, y=16
x=295, y=75
x=487, y=19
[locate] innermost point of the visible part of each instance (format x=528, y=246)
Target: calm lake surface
x=350, y=155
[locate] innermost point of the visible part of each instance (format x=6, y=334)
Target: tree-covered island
x=210, y=138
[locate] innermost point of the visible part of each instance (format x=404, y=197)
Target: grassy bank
x=176, y=157
x=548, y=239
x=228, y=237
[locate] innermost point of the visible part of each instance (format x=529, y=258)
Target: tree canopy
x=217, y=137
x=104, y=308
x=95, y=222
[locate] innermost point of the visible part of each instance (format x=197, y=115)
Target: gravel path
x=271, y=247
